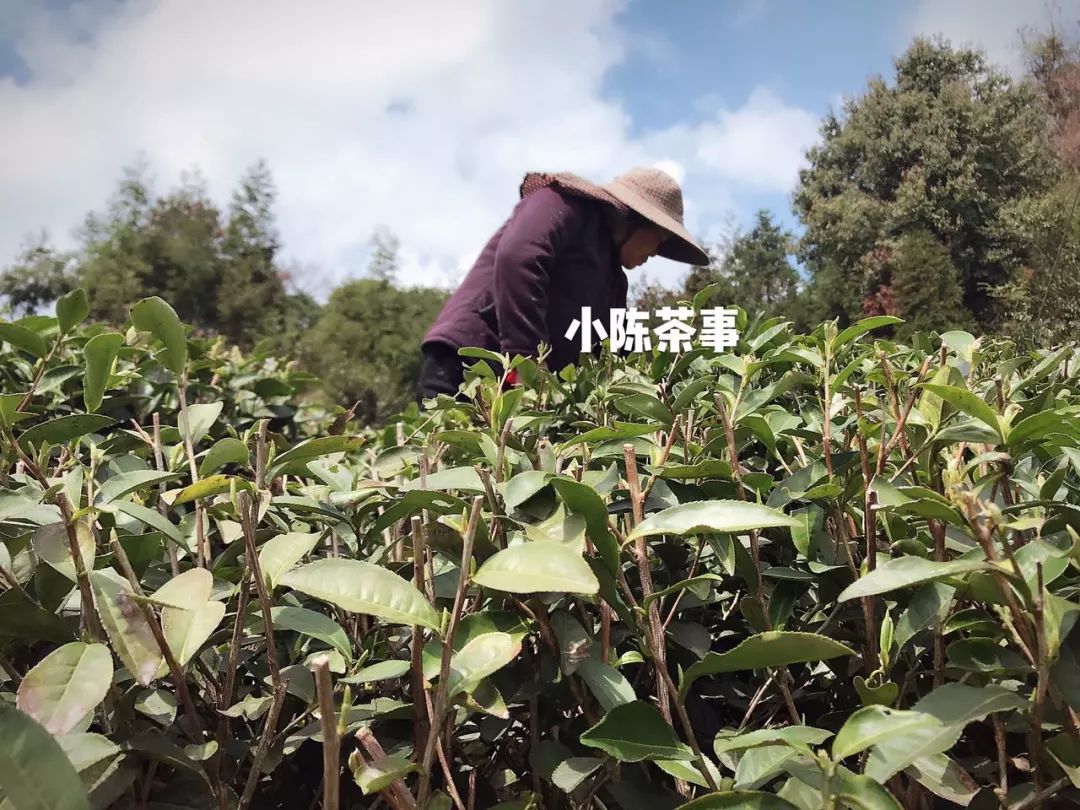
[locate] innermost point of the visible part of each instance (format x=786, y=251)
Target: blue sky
x=423, y=116
x=809, y=54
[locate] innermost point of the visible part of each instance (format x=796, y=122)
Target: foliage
x=925, y=286
x=754, y=272
x=824, y=570
x=949, y=147
x=364, y=348
x=39, y=275
x=219, y=270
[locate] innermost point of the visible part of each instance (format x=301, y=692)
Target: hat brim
x=679, y=246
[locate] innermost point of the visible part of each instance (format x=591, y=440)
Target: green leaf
x=523, y=486
x=65, y=685
x=608, y=685
x=871, y=724
x=927, y=608
x=883, y=695
x=620, y=430
x=700, y=586
x=23, y=620
x=126, y=625
x=739, y=800
x=570, y=773
x=970, y=404
x=1066, y=752
x=775, y=648
x=187, y=630
x=711, y=516
x=983, y=655
x=281, y=552
x=582, y=499
x=647, y=406
x=361, y=587
x=903, y=572
x=155, y=316
x=321, y=446
x=121, y=484
x=224, y=451
x=963, y=343
x=100, y=353
x=22, y=338
x=154, y=520
x=72, y=309
x=463, y=478
x=188, y=590
x=50, y=543
x=201, y=417
x=8, y=405
x=863, y=793
x=65, y=428
x=35, y=773
x=382, y=671
x=796, y=736
x=204, y=488
x=537, y=568
x=634, y=732
x=313, y=624
x=760, y=764
x=482, y=354
x=377, y=775
x=710, y=468
x=861, y=328
x=953, y=705
x=688, y=771
x=479, y=658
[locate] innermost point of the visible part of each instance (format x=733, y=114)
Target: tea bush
x=818, y=571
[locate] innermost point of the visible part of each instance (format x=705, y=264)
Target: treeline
x=222, y=273
x=946, y=194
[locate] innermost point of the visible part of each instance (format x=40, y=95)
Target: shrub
x=818, y=571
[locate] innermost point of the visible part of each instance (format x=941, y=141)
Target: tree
x=926, y=287
x=946, y=148
x=113, y=266
x=756, y=270
x=384, y=255
x=1053, y=62
x=181, y=246
x=39, y=275
x=650, y=295
x=365, y=347
x=252, y=293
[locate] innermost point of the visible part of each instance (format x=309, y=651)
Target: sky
x=423, y=116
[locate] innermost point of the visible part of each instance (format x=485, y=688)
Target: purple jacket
x=552, y=257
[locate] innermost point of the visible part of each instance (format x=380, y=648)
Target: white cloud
x=761, y=144
x=994, y=25
x=419, y=116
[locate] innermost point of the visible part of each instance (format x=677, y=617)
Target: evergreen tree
x=926, y=287
x=946, y=148
x=251, y=294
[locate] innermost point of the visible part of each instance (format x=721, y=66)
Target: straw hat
x=650, y=193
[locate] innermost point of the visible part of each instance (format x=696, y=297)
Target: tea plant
x=819, y=571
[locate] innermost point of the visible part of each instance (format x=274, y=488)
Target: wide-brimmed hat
x=651, y=193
